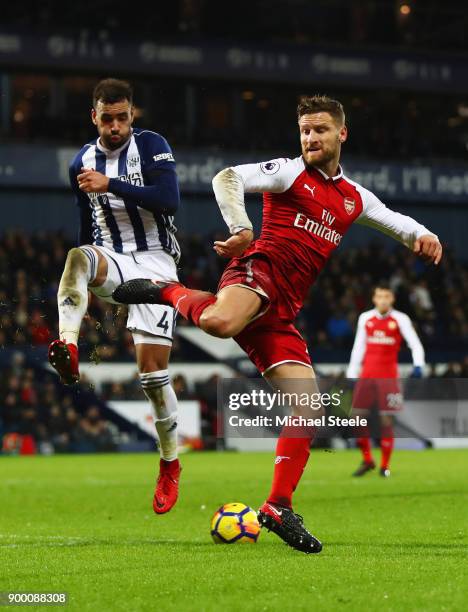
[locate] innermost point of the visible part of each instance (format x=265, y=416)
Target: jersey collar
x=113, y=152
x=325, y=176
x=381, y=316
x=331, y=178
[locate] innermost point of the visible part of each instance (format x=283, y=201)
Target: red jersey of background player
x=305, y=216
x=377, y=343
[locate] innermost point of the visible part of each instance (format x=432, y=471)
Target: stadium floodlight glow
x=18, y=116
x=405, y=9
x=462, y=110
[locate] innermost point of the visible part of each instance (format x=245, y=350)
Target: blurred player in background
x=376, y=347
x=126, y=189
x=308, y=205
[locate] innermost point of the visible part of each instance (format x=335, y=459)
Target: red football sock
x=189, y=302
x=364, y=443
x=291, y=458
x=365, y=446
x=386, y=444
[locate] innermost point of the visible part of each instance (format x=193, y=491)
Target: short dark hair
x=383, y=286
x=110, y=91
x=309, y=105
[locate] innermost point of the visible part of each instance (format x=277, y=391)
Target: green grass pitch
x=84, y=524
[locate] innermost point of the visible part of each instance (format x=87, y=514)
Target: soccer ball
x=235, y=522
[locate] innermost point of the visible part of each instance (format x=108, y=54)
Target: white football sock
x=72, y=296
x=164, y=401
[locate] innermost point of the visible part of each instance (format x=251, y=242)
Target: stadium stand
x=435, y=299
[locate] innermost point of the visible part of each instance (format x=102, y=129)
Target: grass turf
x=84, y=524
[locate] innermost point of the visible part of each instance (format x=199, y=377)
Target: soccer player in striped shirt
x=126, y=190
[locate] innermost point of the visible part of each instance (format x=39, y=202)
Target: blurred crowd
x=435, y=298
x=38, y=415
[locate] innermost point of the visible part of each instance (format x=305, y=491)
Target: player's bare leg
x=223, y=315
x=152, y=360
x=387, y=440
x=82, y=264
x=233, y=309
x=292, y=454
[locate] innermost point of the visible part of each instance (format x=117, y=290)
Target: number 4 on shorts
x=164, y=323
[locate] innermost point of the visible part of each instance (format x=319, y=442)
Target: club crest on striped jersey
x=349, y=205
x=133, y=161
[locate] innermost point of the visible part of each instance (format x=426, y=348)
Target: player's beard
x=112, y=145
x=323, y=161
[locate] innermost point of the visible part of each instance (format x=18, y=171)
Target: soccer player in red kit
x=376, y=347
x=308, y=205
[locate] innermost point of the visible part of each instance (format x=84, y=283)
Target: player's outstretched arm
x=359, y=347
x=412, y=340
x=400, y=227
x=235, y=245
x=230, y=186
x=429, y=247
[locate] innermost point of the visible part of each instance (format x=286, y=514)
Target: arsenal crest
x=349, y=205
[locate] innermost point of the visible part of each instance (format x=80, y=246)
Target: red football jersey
x=305, y=216
x=377, y=344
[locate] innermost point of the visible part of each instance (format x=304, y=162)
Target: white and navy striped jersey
x=122, y=223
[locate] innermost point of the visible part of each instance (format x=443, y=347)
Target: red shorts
x=267, y=340
x=382, y=393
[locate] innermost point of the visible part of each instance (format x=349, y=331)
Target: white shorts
x=149, y=323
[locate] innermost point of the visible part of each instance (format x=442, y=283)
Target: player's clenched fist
x=235, y=245
x=429, y=247
x=91, y=181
